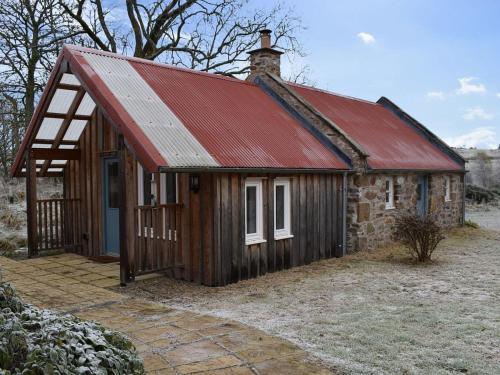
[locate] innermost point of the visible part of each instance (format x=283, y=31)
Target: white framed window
x=146, y=187
x=282, y=209
x=389, y=193
x=447, y=188
x=253, y=212
x=168, y=188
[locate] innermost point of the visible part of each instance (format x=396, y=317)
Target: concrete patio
x=171, y=341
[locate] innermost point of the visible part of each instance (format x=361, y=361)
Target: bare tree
x=31, y=35
x=206, y=35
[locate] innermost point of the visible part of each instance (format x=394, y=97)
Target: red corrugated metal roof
x=235, y=121
x=390, y=142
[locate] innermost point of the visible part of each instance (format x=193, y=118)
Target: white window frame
x=447, y=189
x=258, y=236
x=389, y=204
x=280, y=234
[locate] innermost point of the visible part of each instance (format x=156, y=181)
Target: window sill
x=282, y=237
x=390, y=208
x=255, y=241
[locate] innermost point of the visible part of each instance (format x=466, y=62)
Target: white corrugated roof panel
x=49, y=128
x=61, y=101
x=41, y=145
x=58, y=162
x=86, y=106
x=66, y=147
x=55, y=169
x=167, y=133
x=70, y=79
x=75, y=130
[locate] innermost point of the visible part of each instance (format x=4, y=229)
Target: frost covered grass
x=35, y=341
x=375, y=312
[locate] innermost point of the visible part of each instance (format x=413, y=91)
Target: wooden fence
x=157, y=242
x=58, y=223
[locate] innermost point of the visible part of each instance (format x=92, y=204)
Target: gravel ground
x=372, y=312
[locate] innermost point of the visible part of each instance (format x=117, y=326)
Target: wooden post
x=125, y=275
x=31, y=210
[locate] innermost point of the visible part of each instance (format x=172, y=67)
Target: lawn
x=372, y=312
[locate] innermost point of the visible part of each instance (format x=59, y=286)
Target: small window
x=253, y=212
x=281, y=209
x=389, y=193
x=447, y=188
x=168, y=188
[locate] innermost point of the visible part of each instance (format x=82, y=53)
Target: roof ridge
x=324, y=91
x=140, y=60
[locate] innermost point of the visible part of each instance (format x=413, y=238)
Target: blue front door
x=422, y=195
x=111, y=207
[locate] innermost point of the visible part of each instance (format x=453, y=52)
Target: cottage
x=212, y=179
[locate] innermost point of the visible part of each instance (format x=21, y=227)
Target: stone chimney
x=265, y=59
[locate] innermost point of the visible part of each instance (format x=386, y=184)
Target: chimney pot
x=265, y=38
x=264, y=59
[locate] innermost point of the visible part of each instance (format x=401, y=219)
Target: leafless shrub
x=7, y=247
x=420, y=235
x=11, y=219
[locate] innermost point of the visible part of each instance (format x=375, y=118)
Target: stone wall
x=370, y=224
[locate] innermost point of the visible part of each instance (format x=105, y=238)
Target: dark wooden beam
x=31, y=205
x=66, y=122
x=67, y=86
x=64, y=115
x=55, y=154
x=125, y=274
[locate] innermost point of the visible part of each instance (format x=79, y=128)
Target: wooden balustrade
x=157, y=242
x=57, y=223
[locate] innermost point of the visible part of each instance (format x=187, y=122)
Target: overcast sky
x=437, y=59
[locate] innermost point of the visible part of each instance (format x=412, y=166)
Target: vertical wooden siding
x=83, y=181
x=316, y=226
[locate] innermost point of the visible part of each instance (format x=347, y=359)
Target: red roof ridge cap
x=140, y=60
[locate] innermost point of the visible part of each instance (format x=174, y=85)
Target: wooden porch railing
x=157, y=242
x=58, y=223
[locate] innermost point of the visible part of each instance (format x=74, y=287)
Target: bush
x=420, y=235
x=479, y=194
x=34, y=341
x=7, y=247
x=11, y=219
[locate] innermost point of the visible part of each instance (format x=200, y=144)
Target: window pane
x=113, y=185
x=147, y=188
x=171, y=188
x=280, y=207
x=251, y=209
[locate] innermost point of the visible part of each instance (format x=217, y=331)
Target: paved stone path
x=170, y=341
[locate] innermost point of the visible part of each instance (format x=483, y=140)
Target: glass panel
x=280, y=207
x=147, y=188
x=171, y=188
x=251, y=209
x=113, y=185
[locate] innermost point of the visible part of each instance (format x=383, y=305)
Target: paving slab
x=170, y=341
